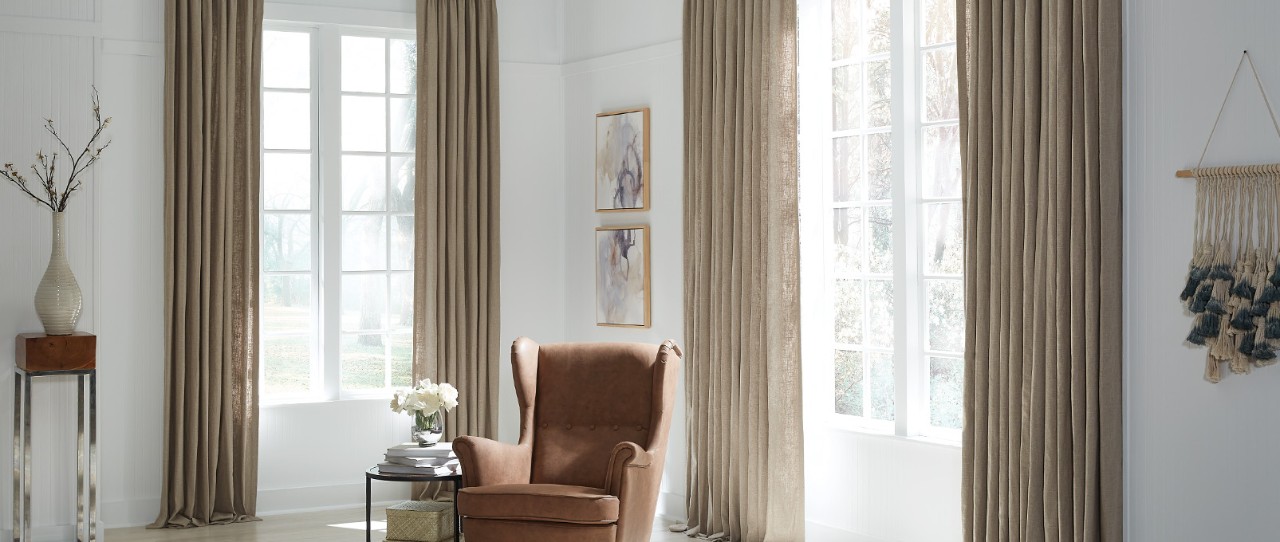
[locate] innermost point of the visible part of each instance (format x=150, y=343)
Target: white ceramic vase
x=58, y=299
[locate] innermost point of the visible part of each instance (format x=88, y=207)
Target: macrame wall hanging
x=1233, y=281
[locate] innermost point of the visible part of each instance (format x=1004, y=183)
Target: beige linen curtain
x=1040, y=127
x=741, y=267
x=456, y=282
x=211, y=143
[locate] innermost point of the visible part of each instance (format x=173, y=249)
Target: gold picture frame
x=621, y=170
x=623, y=299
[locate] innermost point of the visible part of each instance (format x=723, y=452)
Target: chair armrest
x=635, y=475
x=487, y=462
x=626, y=457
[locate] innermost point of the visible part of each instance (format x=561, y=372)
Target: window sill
x=888, y=434
x=303, y=401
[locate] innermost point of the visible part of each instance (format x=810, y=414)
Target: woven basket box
x=420, y=521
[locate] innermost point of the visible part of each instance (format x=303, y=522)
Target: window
x=338, y=115
x=882, y=227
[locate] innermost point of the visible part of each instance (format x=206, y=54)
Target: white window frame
x=911, y=369
x=326, y=27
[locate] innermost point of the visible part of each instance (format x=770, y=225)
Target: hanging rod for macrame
x=1257, y=169
x=1260, y=169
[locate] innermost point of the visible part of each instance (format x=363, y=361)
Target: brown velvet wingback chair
x=594, y=422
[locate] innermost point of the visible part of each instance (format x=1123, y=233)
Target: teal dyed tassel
x=1243, y=321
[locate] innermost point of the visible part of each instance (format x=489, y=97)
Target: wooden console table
x=40, y=355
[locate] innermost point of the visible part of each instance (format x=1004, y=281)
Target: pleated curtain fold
x=1040, y=126
x=211, y=146
x=741, y=267
x=456, y=258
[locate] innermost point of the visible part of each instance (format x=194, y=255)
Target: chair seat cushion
x=539, y=502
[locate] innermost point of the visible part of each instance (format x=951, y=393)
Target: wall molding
x=50, y=27
x=647, y=53
x=298, y=13
x=132, y=48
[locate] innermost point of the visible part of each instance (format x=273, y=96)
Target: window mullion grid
x=317, y=304
x=924, y=425
x=330, y=189
x=389, y=228
x=867, y=242
x=910, y=400
x=816, y=216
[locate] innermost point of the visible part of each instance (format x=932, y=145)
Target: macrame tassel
x=1223, y=346
x=1217, y=303
x=1211, y=371
x=1243, y=289
x=1189, y=290
x=1269, y=294
x=1207, y=326
x=1200, y=303
x=1259, y=338
x=1273, y=328
x=1243, y=320
x=1222, y=271
x=1246, y=344
x=1241, y=363
x=1194, y=278
x=1265, y=353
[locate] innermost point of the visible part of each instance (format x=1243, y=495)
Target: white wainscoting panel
x=44, y=76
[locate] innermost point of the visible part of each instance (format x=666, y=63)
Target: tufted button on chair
x=558, y=484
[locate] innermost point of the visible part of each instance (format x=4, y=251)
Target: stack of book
x=410, y=458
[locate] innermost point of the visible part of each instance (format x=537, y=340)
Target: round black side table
x=373, y=474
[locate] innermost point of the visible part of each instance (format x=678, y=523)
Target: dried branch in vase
x=46, y=167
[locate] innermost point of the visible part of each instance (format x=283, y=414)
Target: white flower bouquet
x=426, y=403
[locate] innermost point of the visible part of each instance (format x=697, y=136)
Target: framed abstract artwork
x=622, y=160
x=622, y=276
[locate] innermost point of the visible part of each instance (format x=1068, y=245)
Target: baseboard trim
x=49, y=533
x=814, y=532
x=271, y=502
x=671, y=506
x=292, y=500
x=131, y=513
x=820, y=532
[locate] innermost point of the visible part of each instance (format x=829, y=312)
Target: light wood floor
x=330, y=526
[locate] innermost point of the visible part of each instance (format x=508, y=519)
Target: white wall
x=879, y=488
x=595, y=28
x=644, y=77
x=31, y=37
x=55, y=51
x=116, y=236
x=1199, y=457
x=533, y=219
x=621, y=55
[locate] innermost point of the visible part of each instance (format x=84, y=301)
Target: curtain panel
x=1040, y=128
x=741, y=271
x=456, y=257
x=211, y=145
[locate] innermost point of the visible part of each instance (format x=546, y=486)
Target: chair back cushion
x=590, y=397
